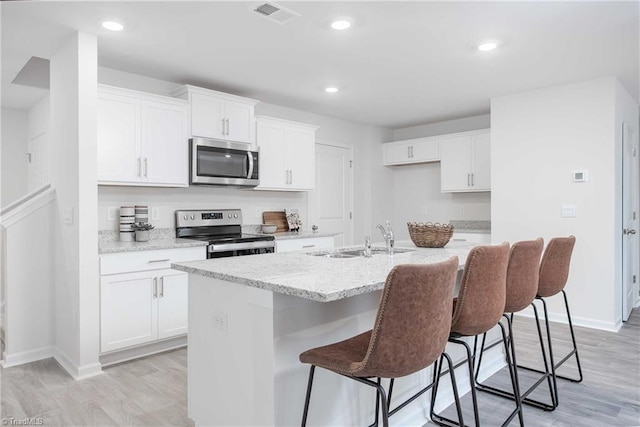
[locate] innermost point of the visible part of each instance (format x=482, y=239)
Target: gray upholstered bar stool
x=477, y=309
x=554, y=272
x=522, y=288
x=409, y=334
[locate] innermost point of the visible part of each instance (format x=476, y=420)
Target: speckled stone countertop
x=288, y=235
x=315, y=277
x=479, y=227
x=111, y=247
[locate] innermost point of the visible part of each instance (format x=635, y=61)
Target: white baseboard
x=15, y=359
x=577, y=321
x=120, y=356
x=77, y=372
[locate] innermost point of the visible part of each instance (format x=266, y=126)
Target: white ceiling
x=400, y=64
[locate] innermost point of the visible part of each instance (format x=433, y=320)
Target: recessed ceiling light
x=113, y=26
x=487, y=46
x=331, y=89
x=340, y=24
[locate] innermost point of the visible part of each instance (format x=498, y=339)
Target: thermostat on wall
x=580, y=176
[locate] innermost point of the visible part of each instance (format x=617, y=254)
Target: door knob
x=628, y=231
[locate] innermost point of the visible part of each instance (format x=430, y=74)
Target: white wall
x=441, y=128
x=372, y=186
x=14, y=159
x=29, y=303
x=540, y=137
x=73, y=140
x=416, y=188
x=38, y=126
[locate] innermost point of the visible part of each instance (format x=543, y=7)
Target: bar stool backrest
x=413, y=320
x=522, y=274
x=554, y=267
x=480, y=302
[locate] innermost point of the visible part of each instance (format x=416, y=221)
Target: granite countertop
x=319, y=278
x=111, y=247
x=287, y=235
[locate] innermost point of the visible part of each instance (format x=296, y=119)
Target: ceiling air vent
x=276, y=13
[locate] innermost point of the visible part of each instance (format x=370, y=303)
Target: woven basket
x=430, y=235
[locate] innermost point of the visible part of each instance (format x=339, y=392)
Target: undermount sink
x=353, y=253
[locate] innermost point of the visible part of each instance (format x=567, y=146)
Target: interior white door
x=330, y=204
x=38, y=170
x=629, y=220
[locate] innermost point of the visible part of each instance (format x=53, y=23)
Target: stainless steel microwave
x=216, y=162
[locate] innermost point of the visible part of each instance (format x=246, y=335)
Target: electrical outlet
x=219, y=320
x=112, y=212
x=155, y=214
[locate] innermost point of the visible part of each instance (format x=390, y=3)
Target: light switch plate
x=568, y=211
x=67, y=216
x=112, y=212
x=155, y=214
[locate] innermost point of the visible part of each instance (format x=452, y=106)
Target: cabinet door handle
x=139, y=166
x=408, y=151
x=161, y=287
x=155, y=287
x=227, y=120
x=472, y=180
x=290, y=176
x=145, y=167
x=159, y=260
x=222, y=126
x=468, y=180
x=411, y=151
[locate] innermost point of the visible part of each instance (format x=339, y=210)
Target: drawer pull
x=159, y=260
x=308, y=246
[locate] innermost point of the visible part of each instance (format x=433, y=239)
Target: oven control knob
x=235, y=215
x=185, y=217
x=192, y=217
x=229, y=215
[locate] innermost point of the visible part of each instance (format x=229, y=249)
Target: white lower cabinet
x=137, y=308
x=290, y=245
x=141, y=299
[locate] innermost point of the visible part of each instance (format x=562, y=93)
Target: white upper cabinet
x=466, y=162
x=419, y=150
x=287, y=154
x=219, y=115
x=142, y=139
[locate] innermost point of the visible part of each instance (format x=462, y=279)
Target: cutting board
x=279, y=218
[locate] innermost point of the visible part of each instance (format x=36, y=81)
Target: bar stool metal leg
x=306, y=402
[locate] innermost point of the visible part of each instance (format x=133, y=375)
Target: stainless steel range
x=222, y=228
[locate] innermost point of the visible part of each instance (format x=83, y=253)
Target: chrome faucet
x=387, y=233
x=367, y=247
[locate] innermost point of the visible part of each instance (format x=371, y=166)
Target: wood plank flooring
x=609, y=395
x=153, y=391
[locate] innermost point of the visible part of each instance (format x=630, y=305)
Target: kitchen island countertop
x=318, y=278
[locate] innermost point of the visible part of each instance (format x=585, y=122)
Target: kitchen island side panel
x=250, y=374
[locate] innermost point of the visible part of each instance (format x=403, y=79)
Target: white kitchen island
x=250, y=317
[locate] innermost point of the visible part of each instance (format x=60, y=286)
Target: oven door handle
x=250, y=158
x=240, y=246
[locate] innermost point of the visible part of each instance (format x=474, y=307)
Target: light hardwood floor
x=153, y=391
